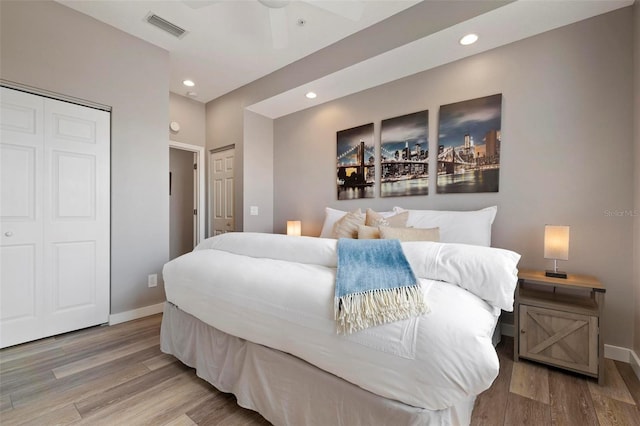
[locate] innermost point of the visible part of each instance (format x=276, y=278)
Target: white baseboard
x=635, y=363
x=623, y=355
x=617, y=353
x=135, y=314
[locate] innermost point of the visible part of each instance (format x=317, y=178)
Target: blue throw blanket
x=374, y=285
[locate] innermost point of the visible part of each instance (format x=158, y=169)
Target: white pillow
x=489, y=273
x=473, y=227
x=331, y=216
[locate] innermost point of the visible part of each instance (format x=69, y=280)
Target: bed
x=253, y=314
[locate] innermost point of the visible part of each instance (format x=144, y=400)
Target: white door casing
x=71, y=237
x=198, y=188
x=221, y=184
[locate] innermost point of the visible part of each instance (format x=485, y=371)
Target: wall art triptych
x=468, y=160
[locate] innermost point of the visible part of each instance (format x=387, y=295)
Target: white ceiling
x=507, y=24
x=229, y=43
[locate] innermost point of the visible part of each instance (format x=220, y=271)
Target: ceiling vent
x=165, y=25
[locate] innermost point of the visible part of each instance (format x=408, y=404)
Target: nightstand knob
x=521, y=331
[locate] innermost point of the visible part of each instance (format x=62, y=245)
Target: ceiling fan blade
x=275, y=4
x=199, y=4
x=350, y=9
x=279, y=28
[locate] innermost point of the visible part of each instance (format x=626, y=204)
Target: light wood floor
x=526, y=393
x=118, y=376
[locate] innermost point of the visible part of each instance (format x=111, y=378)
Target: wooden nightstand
x=559, y=322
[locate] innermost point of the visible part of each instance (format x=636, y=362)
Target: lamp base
x=555, y=274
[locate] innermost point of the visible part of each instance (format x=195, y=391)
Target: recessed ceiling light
x=188, y=83
x=311, y=95
x=468, y=39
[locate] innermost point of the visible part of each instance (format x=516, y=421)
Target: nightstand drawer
x=563, y=339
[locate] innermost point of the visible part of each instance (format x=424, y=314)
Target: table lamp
x=556, y=247
x=294, y=227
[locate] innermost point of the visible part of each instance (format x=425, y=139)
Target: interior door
x=54, y=217
x=221, y=184
x=21, y=221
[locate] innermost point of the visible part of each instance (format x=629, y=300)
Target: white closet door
x=76, y=216
x=55, y=217
x=21, y=220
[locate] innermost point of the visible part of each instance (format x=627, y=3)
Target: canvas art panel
x=469, y=144
x=356, y=163
x=404, y=152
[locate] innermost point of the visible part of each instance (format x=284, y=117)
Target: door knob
x=8, y=234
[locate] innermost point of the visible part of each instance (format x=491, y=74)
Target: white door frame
x=200, y=193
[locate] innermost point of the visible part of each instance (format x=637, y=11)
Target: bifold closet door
x=55, y=217
x=21, y=198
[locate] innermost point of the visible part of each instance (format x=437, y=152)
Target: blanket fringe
x=358, y=311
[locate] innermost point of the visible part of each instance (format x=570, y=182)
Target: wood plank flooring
x=118, y=376
x=526, y=393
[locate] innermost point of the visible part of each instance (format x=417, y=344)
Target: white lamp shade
x=294, y=227
x=556, y=242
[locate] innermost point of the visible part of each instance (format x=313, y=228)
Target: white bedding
x=278, y=291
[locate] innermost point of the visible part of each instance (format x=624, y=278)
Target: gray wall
x=258, y=172
x=636, y=255
x=190, y=114
x=225, y=115
x=567, y=138
x=49, y=46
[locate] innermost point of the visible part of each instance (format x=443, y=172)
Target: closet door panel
x=21, y=217
x=18, y=276
x=74, y=277
x=74, y=186
x=18, y=174
x=77, y=218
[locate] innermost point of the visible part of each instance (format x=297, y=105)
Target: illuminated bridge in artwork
x=363, y=175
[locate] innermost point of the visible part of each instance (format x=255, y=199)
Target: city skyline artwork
x=404, y=151
x=469, y=144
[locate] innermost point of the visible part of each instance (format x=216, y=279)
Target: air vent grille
x=165, y=25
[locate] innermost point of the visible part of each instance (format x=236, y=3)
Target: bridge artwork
x=355, y=163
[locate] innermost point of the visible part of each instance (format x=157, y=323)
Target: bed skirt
x=284, y=389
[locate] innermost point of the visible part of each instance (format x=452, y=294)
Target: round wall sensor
x=175, y=126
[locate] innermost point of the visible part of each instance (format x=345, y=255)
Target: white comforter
x=278, y=291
